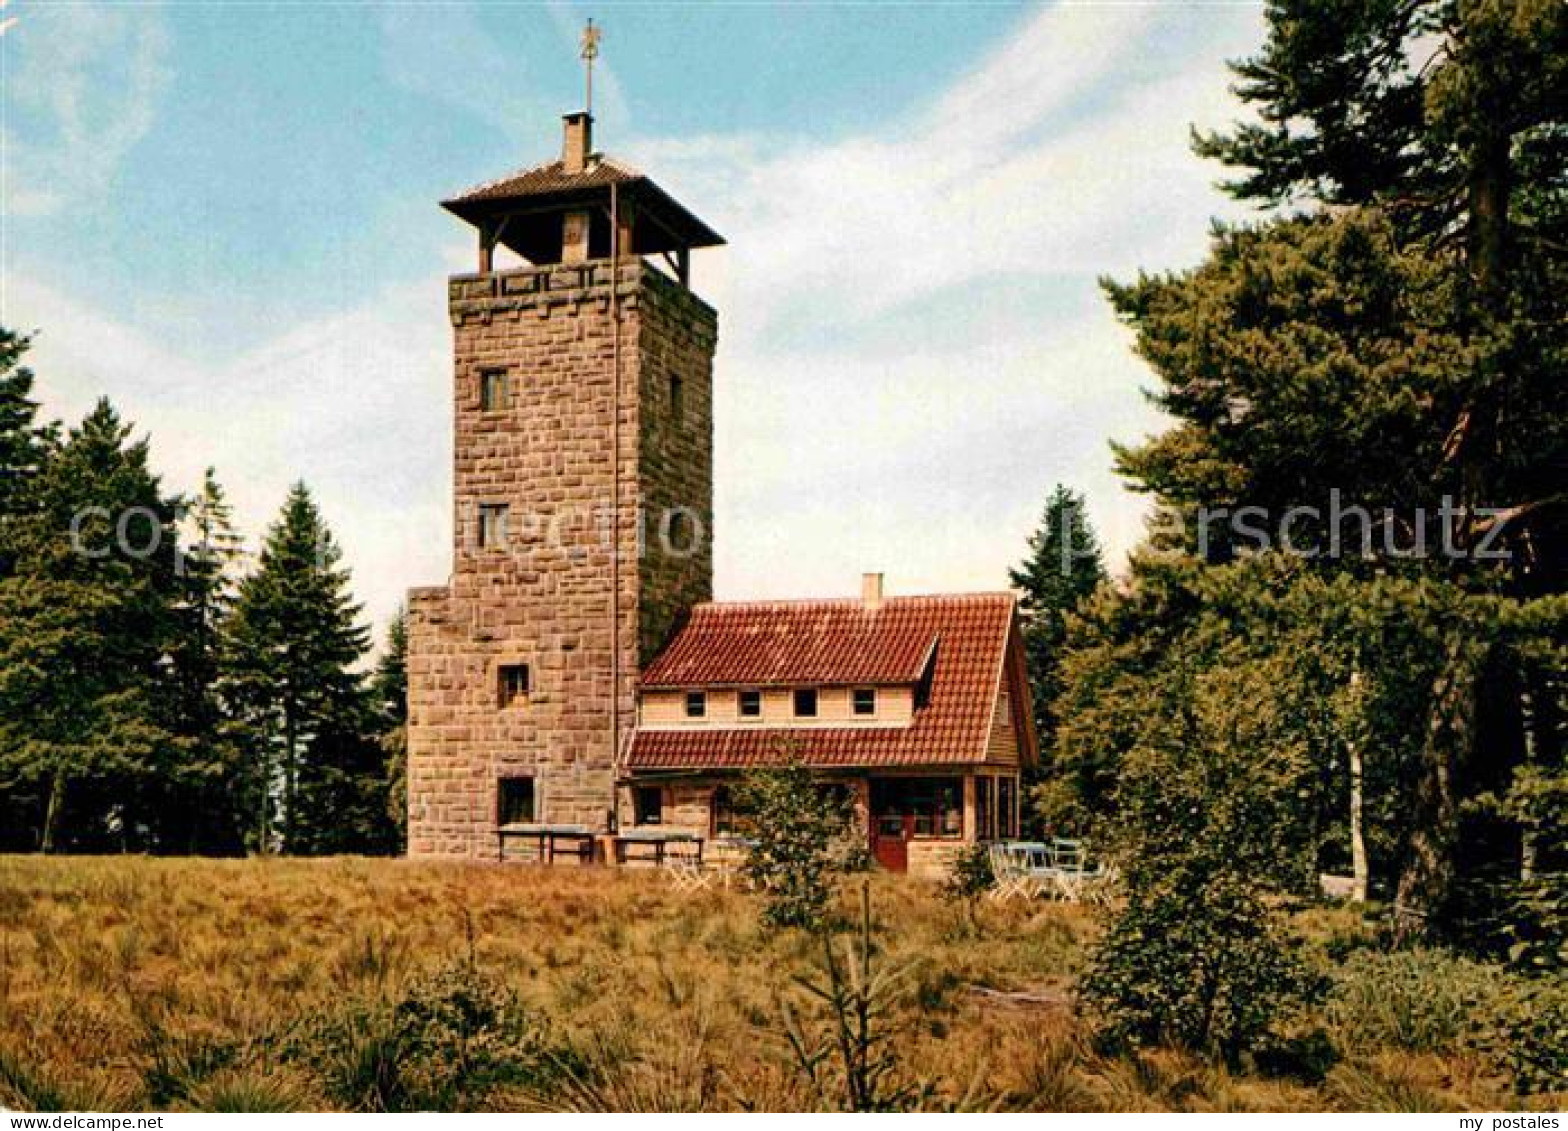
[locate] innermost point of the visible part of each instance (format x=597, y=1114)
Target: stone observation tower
x=583, y=493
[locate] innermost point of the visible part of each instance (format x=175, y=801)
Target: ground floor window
x=726, y=819
x=515, y=801
x=648, y=805
x=933, y=806
x=985, y=816
x=1007, y=806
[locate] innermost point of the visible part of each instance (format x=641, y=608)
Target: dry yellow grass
x=128, y=983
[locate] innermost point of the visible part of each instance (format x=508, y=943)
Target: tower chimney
x=871, y=591
x=577, y=143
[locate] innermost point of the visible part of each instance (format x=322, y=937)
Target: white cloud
x=82, y=87
x=1064, y=157
x=912, y=346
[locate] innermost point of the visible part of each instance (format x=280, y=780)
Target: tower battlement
x=537, y=289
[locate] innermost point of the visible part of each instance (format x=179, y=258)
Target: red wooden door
x=890, y=840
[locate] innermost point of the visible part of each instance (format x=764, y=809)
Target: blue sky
x=224, y=216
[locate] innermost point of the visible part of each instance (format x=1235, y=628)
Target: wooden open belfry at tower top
x=585, y=205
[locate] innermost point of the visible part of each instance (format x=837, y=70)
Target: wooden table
x=548, y=839
x=660, y=840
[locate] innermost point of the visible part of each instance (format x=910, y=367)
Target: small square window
x=492, y=524
x=495, y=390
x=515, y=801
x=648, y=805
x=750, y=704
x=806, y=703
x=514, y=684
x=865, y=699
x=696, y=704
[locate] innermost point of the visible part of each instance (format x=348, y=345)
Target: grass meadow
x=132, y=983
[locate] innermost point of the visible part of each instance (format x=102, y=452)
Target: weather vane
x=590, y=52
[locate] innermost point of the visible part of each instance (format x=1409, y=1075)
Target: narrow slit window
x=677, y=399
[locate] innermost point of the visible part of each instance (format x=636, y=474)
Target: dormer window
x=865, y=700
x=749, y=704
x=806, y=703
x=696, y=704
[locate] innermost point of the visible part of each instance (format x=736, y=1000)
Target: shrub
x=1527, y=1034
x=248, y=1092
x=1435, y=1002
x=849, y=1059
x=1202, y=966
x=1537, y=924
x=1416, y=1000
x=969, y=877
x=451, y=1039
x=800, y=844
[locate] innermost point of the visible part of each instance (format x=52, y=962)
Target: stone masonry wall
x=544, y=599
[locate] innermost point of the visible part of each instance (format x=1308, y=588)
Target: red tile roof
x=790, y=643
x=816, y=643
x=548, y=187
x=548, y=177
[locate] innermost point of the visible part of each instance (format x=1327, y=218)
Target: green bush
x=1416, y=1000
x=1527, y=1034
x=1436, y=1002
x=1537, y=924
x=1200, y=965
x=801, y=843
x=445, y=1044
x=970, y=876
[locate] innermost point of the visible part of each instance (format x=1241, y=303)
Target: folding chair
x=1009, y=874
x=686, y=875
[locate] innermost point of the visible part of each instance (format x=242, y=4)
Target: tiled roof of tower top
x=551, y=177
x=963, y=639
x=550, y=187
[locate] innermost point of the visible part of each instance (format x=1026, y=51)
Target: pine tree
x=390, y=688
x=24, y=444
x=23, y=448
x=303, y=714
x=1403, y=351
x=1062, y=569
x=390, y=684
x=203, y=800
x=1449, y=118
x=86, y=625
